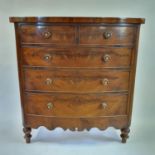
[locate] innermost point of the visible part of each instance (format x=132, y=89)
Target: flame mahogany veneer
x=76, y=72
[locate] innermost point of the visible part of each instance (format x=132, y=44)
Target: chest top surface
x=112, y=20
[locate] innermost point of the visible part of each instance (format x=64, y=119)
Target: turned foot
x=28, y=135
x=124, y=134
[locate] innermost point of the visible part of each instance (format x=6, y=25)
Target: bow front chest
x=76, y=72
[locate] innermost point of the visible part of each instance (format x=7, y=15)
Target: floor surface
x=60, y=142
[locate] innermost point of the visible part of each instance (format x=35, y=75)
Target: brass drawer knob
x=104, y=105
x=107, y=35
x=47, y=57
x=49, y=81
x=106, y=58
x=105, y=81
x=49, y=105
x=46, y=34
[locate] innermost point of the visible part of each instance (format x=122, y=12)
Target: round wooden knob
x=48, y=81
x=46, y=34
x=105, y=81
x=47, y=57
x=49, y=105
x=104, y=105
x=107, y=35
x=106, y=58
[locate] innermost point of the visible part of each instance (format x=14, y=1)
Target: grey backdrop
x=142, y=136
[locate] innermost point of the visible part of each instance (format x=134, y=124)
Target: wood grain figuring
x=79, y=124
x=95, y=35
x=99, y=20
x=77, y=57
x=73, y=106
x=57, y=34
x=76, y=72
x=79, y=81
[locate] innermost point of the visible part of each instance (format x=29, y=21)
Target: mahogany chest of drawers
x=76, y=72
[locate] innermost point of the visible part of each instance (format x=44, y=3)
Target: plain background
x=57, y=142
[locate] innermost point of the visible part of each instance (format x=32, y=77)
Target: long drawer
x=77, y=81
x=76, y=106
x=77, y=57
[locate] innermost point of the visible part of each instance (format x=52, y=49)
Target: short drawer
x=107, y=35
x=77, y=57
x=76, y=105
x=47, y=34
x=82, y=81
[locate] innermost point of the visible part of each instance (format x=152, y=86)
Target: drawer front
x=107, y=35
x=76, y=106
x=76, y=81
x=47, y=34
x=77, y=57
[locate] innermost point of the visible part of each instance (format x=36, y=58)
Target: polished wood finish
x=100, y=20
x=76, y=81
x=48, y=34
x=124, y=134
x=27, y=131
x=76, y=72
x=77, y=57
x=76, y=105
x=79, y=123
x=96, y=35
